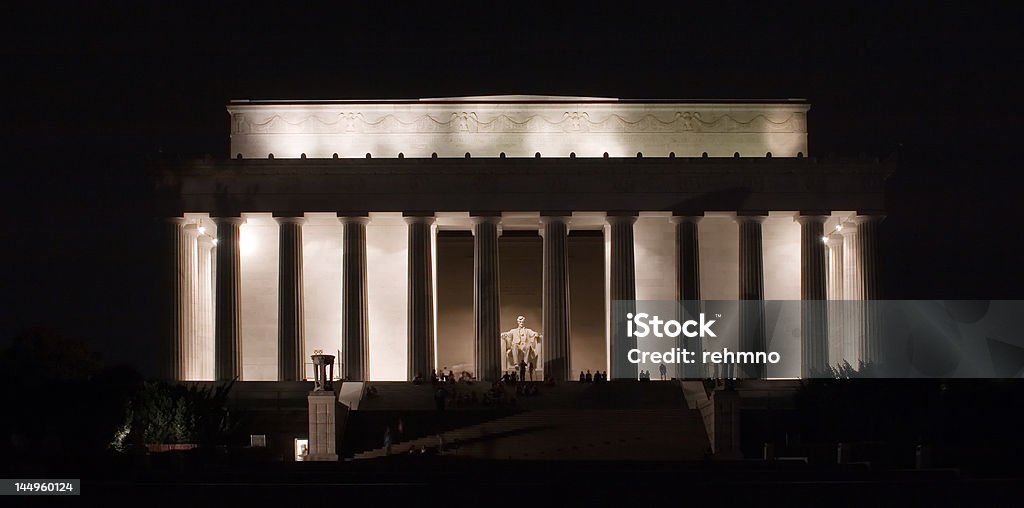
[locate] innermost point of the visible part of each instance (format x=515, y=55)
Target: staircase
x=577, y=421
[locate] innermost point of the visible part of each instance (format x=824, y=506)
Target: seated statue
x=521, y=345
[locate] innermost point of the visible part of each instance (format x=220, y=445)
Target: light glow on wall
x=258, y=245
x=387, y=261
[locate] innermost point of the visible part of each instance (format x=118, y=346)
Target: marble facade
x=409, y=169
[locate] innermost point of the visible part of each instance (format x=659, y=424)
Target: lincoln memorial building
x=407, y=236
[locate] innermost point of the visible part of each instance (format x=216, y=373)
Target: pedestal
x=322, y=406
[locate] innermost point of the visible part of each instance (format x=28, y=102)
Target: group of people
x=442, y=378
x=511, y=378
x=593, y=378
x=645, y=375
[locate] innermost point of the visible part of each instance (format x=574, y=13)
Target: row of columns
x=555, y=294
x=858, y=280
x=841, y=266
x=190, y=320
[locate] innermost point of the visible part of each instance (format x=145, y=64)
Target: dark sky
x=95, y=91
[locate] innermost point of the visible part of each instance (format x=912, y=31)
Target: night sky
x=96, y=91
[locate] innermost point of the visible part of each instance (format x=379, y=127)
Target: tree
x=163, y=413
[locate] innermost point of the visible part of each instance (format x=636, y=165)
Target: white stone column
x=853, y=295
x=421, y=297
x=228, y=328
x=555, y=348
x=290, y=324
x=172, y=364
x=622, y=286
x=486, y=298
x=204, y=308
x=688, y=285
x=355, y=327
x=867, y=241
x=813, y=296
x=190, y=283
x=836, y=307
x=751, y=291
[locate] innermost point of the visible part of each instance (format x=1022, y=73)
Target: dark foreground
x=453, y=481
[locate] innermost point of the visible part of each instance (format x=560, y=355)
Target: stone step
x=571, y=433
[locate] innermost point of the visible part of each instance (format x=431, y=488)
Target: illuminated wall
x=258, y=247
x=321, y=278
x=780, y=236
x=387, y=279
x=719, y=257
x=654, y=253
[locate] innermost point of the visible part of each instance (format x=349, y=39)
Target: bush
x=163, y=413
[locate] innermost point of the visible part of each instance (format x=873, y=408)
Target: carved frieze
x=467, y=122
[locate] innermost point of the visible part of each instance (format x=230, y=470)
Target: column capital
x=835, y=240
x=849, y=227
x=867, y=217
x=686, y=219
x=811, y=218
x=180, y=221
x=238, y=221
x=564, y=219
x=354, y=219
x=419, y=219
x=290, y=220
x=192, y=230
x=751, y=218
x=554, y=219
x=621, y=218
x=485, y=219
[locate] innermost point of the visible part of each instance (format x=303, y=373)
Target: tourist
x=663, y=370
x=439, y=397
x=590, y=377
x=583, y=379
